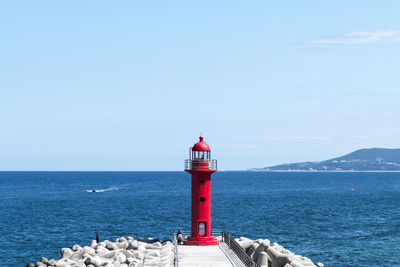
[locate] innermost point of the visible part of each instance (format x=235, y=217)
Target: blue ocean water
x=312, y=214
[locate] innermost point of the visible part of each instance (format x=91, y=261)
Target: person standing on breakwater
x=179, y=237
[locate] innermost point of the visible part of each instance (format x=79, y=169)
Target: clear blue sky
x=129, y=85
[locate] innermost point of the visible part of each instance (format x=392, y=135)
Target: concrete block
x=262, y=247
x=245, y=243
x=263, y=258
x=278, y=259
x=252, y=249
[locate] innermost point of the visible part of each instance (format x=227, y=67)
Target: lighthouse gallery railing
x=200, y=164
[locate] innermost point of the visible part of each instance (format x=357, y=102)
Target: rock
x=320, y=264
x=168, y=259
x=127, y=253
x=94, y=244
x=110, y=254
x=61, y=263
x=153, y=252
x=30, y=265
x=66, y=253
x=150, y=261
x=154, y=245
x=100, y=250
x=122, y=244
x=141, y=243
x=40, y=264
x=168, y=245
x=305, y=259
x=295, y=263
x=121, y=258
x=133, y=244
x=142, y=249
x=136, y=262
x=300, y=261
x=286, y=251
x=267, y=242
x=85, y=251
x=277, y=247
x=130, y=238
x=76, y=247
x=96, y=261
x=52, y=262
x=44, y=260
x=116, y=263
x=111, y=246
x=166, y=251
x=122, y=239
x=138, y=255
x=278, y=259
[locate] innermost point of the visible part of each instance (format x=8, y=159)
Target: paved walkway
x=202, y=256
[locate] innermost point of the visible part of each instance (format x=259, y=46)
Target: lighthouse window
x=202, y=200
x=202, y=181
x=201, y=155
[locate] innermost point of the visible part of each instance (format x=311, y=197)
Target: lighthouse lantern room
x=201, y=166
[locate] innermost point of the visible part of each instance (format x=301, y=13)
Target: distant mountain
x=373, y=159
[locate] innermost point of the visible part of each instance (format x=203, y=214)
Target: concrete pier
x=126, y=251
x=205, y=256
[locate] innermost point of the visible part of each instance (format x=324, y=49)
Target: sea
x=337, y=218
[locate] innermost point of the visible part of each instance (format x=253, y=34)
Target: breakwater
x=128, y=252
x=124, y=252
x=266, y=254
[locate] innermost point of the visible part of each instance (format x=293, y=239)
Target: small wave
x=302, y=189
x=102, y=190
x=361, y=235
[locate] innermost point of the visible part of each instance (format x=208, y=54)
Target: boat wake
x=102, y=190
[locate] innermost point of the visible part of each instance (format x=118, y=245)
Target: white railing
x=200, y=164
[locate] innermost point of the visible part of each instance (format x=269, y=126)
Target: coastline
x=319, y=171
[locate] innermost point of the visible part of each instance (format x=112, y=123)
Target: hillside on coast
x=372, y=159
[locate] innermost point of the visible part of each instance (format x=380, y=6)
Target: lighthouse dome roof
x=201, y=145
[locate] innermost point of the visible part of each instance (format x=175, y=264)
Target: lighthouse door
x=202, y=228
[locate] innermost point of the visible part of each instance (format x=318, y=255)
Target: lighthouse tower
x=201, y=166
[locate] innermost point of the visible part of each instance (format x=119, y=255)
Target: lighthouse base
x=201, y=241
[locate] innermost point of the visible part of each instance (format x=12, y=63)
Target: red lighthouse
x=201, y=166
